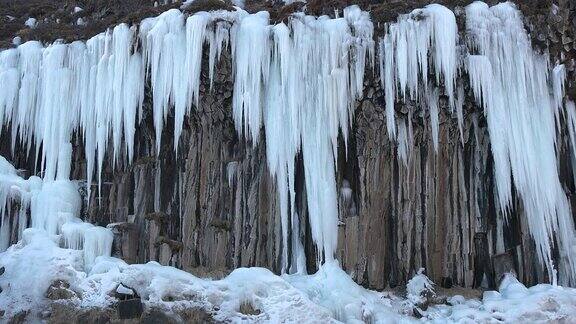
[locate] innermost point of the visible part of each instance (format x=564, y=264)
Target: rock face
x=213, y=206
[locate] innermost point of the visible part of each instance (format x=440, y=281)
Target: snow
x=31, y=22
x=123, y=290
x=329, y=296
x=417, y=286
x=512, y=303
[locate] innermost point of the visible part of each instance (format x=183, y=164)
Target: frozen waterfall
x=300, y=82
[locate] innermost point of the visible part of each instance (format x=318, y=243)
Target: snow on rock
x=31, y=22
x=329, y=296
x=418, y=287
x=512, y=303
x=31, y=266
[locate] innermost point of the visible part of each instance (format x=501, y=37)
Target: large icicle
x=251, y=46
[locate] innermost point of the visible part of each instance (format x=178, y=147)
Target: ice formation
x=298, y=80
x=424, y=37
x=418, y=286
x=521, y=98
x=511, y=82
x=315, y=75
x=54, y=208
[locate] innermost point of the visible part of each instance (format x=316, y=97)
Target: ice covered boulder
x=420, y=290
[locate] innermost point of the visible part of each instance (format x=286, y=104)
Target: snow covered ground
x=327, y=296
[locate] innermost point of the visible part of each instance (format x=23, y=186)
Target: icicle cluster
x=316, y=73
x=521, y=102
x=425, y=36
x=510, y=81
x=299, y=80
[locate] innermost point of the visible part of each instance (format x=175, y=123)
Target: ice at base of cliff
x=327, y=296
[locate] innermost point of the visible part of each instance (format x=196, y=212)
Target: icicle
x=30, y=59
x=120, y=63
x=219, y=40
x=402, y=148
x=388, y=84
x=432, y=101
x=97, y=242
x=157, y=187
x=445, y=36
x=558, y=79
x=459, y=111
x=165, y=45
x=10, y=80
x=571, y=123
x=73, y=233
x=251, y=63
x=187, y=80
x=231, y=168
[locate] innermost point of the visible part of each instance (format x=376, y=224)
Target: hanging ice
x=404, y=56
x=316, y=73
x=510, y=81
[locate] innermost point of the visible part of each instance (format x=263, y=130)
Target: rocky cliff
x=213, y=206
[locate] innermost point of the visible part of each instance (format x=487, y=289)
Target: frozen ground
x=327, y=296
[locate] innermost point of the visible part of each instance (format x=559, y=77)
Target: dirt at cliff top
x=62, y=19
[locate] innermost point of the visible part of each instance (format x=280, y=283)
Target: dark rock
x=126, y=237
x=93, y=317
x=155, y=316
x=2, y=270
x=131, y=308
x=60, y=289
x=417, y=312
x=19, y=318
x=503, y=263
x=446, y=282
